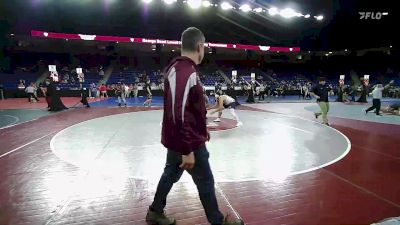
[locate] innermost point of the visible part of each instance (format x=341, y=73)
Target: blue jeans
x=202, y=177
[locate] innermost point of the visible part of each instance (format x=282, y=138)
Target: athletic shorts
x=231, y=106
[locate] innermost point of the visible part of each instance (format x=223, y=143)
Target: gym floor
x=101, y=165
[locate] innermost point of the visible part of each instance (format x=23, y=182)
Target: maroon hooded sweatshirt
x=184, y=127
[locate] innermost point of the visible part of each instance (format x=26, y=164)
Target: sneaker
x=217, y=120
x=327, y=124
x=159, y=218
x=378, y=115
x=239, y=123
x=232, y=222
x=366, y=112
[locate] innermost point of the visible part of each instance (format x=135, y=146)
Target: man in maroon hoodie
x=184, y=133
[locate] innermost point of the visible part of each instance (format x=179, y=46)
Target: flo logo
x=372, y=15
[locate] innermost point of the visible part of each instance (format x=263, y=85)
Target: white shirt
x=30, y=89
x=228, y=100
x=377, y=93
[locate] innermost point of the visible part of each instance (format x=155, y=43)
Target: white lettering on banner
x=234, y=46
x=218, y=45
x=87, y=37
x=132, y=40
x=264, y=48
x=161, y=41
x=173, y=42
x=151, y=41
x=46, y=34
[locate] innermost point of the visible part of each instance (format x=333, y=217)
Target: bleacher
x=11, y=81
x=89, y=79
x=210, y=79
x=291, y=79
x=127, y=76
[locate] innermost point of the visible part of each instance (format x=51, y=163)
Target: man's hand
x=188, y=161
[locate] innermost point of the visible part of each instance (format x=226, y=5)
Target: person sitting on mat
x=392, y=109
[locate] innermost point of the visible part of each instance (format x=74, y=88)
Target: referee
x=320, y=92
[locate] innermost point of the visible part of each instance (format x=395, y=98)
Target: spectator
x=21, y=85
x=93, y=90
x=1, y=91
x=103, y=91
x=135, y=90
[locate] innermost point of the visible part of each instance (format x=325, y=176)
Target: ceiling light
x=287, y=13
x=226, y=6
x=169, y=2
x=258, y=10
x=194, y=4
x=206, y=4
x=245, y=8
x=273, y=11
x=320, y=17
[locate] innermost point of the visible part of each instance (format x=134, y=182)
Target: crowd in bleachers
x=279, y=84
